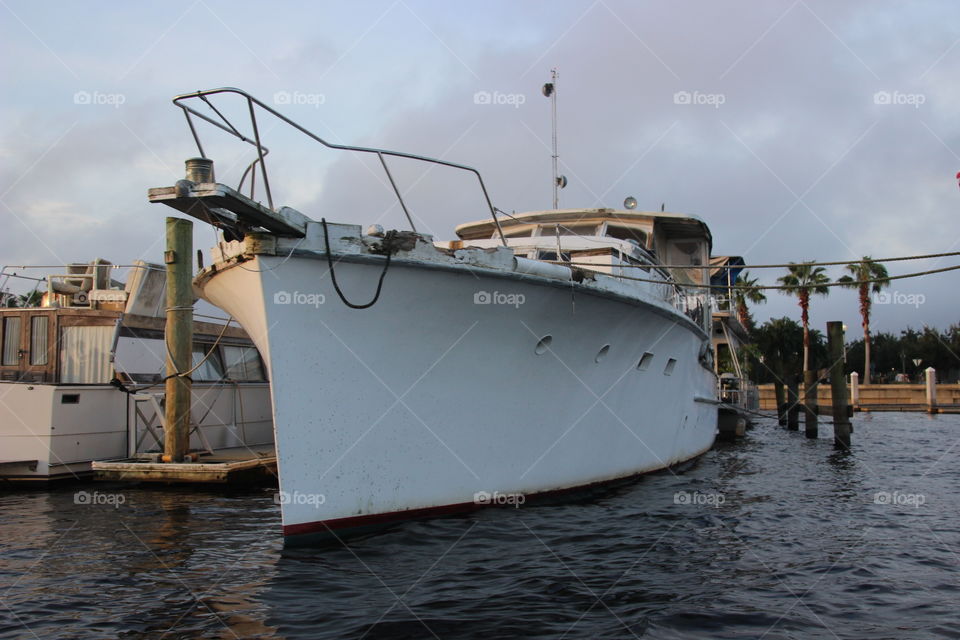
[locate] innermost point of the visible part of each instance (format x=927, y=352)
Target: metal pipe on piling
x=930, y=376
x=855, y=390
x=178, y=335
x=838, y=387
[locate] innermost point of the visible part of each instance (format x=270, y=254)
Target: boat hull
x=444, y=395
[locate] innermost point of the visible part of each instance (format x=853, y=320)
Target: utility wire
x=770, y=266
x=850, y=283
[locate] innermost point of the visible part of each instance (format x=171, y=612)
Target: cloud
x=798, y=161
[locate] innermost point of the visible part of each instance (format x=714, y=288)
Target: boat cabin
x=89, y=329
x=603, y=238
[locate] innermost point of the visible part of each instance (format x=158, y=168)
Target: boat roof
x=674, y=223
x=718, y=270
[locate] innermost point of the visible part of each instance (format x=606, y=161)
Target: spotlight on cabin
x=630, y=203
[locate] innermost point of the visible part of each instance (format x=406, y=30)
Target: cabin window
x=691, y=250
x=514, y=233
x=38, y=340
x=85, y=355
x=668, y=370
x=632, y=234
x=11, y=341
x=551, y=256
x=243, y=363
x=212, y=369
x=569, y=230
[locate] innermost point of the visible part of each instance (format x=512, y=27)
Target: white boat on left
x=82, y=358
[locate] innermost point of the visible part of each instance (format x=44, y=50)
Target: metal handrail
x=262, y=151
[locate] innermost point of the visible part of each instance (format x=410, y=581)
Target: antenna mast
x=550, y=90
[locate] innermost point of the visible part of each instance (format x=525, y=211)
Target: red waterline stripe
x=390, y=517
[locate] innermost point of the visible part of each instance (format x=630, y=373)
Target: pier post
x=179, y=337
x=931, y=379
x=810, y=403
x=855, y=390
x=793, y=401
x=838, y=387
x=780, y=397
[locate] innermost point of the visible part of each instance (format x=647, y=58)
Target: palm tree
x=864, y=270
x=12, y=300
x=745, y=290
x=32, y=299
x=802, y=280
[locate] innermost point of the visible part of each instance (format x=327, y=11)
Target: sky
x=798, y=130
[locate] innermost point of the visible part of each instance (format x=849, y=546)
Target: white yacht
x=537, y=353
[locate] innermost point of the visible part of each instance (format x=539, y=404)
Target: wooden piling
x=838, y=386
x=793, y=400
x=179, y=337
x=781, y=397
x=810, y=404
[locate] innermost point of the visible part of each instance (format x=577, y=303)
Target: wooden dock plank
x=224, y=466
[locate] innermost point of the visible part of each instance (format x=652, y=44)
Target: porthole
x=543, y=345
x=645, y=361
x=668, y=370
x=604, y=350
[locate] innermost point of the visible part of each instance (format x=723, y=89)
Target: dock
x=923, y=408
x=223, y=466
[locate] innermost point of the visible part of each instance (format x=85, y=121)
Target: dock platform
x=223, y=466
x=922, y=408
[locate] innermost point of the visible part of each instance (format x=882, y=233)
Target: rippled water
x=775, y=536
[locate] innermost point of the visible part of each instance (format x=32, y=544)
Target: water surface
x=775, y=536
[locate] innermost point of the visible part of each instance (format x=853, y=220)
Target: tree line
x=777, y=352
x=783, y=348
